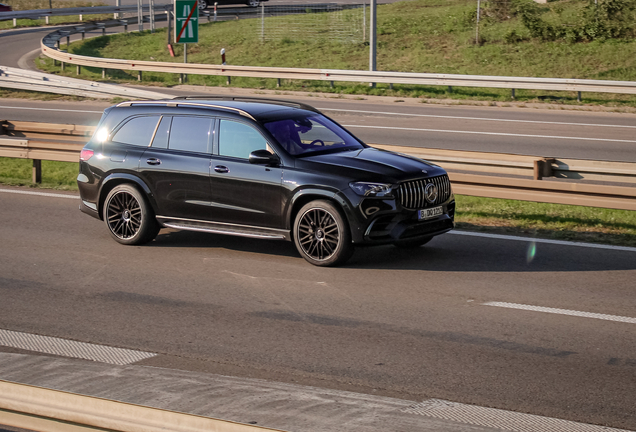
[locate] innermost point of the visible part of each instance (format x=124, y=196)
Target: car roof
x=255, y=108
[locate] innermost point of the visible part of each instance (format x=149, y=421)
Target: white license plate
x=430, y=213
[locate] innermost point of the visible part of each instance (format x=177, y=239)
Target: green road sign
x=186, y=21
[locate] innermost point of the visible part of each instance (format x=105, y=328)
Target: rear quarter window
x=137, y=131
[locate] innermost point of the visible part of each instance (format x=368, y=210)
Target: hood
x=371, y=164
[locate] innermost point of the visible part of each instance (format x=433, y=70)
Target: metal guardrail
x=48, y=46
x=92, y=10
x=45, y=410
x=59, y=142
x=23, y=79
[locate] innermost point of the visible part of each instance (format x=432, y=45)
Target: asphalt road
x=411, y=325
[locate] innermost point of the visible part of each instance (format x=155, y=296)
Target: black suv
x=258, y=168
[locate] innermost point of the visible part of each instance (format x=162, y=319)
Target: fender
x=121, y=177
x=331, y=194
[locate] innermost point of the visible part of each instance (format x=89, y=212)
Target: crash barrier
x=49, y=48
x=23, y=79
x=63, y=142
x=45, y=410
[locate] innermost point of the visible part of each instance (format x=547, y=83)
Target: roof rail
x=252, y=99
x=172, y=103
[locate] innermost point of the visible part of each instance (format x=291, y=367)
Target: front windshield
x=308, y=135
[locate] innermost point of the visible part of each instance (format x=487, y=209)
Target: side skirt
x=225, y=228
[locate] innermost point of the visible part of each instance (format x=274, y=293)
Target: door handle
x=221, y=169
x=153, y=161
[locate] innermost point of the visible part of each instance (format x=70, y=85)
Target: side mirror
x=264, y=157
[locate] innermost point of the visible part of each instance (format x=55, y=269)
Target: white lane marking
x=456, y=232
x=558, y=311
x=500, y=419
x=492, y=133
x=52, y=109
x=69, y=348
x=479, y=118
x=46, y=194
x=548, y=241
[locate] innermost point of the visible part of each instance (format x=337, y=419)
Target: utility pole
x=373, y=37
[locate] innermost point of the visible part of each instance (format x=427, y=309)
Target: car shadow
x=446, y=253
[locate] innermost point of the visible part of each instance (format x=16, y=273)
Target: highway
x=456, y=320
x=411, y=325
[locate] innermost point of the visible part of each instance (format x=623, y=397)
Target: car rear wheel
x=253, y=3
x=129, y=217
x=322, y=235
x=412, y=243
x=203, y=4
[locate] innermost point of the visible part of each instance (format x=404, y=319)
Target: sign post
x=186, y=26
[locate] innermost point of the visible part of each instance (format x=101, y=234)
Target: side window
x=137, y=131
x=163, y=133
x=239, y=140
x=190, y=133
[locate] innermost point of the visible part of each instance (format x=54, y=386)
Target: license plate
x=430, y=213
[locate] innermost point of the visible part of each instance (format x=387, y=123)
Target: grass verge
x=20, y=5
x=553, y=221
x=417, y=36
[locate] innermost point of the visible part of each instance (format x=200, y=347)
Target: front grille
x=411, y=194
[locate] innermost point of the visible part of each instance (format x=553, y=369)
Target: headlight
x=372, y=189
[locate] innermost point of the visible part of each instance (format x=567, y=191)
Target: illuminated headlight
x=371, y=189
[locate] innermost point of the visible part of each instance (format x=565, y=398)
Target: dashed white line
x=73, y=349
x=479, y=118
x=492, y=133
x=558, y=311
x=500, y=419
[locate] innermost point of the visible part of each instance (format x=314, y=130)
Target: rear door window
x=191, y=134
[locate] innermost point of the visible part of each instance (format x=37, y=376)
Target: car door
x=176, y=166
x=241, y=192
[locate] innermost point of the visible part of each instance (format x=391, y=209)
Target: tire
x=322, y=235
x=203, y=4
x=412, y=243
x=129, y=217
x=253, y=3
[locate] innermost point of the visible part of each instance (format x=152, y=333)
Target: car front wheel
x=203, y=4
x=253, y=3
x=129, y=217
x=322, y=235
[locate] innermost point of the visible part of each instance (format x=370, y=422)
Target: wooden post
x=37, y=171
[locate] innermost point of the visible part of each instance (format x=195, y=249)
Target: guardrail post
x=277, y=82
x=543, y=168
x=37, y=171
x=15, y=22
x=68, y=41
x=450, y=89
x=578, y=97
x=46, y=20
x=81, y=18
x=63, y=65
x=139, y=76
x=512, y=94
x=103, y=73
x=79, y=69
x=83, y=34
x=125, y=23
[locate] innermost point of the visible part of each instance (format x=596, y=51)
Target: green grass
x=553, y=221
x=55, y=175
x=19, y=5
x=417, y=36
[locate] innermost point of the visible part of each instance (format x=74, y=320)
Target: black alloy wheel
x=322, y=235
x=203, y=4
x=129, y=217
